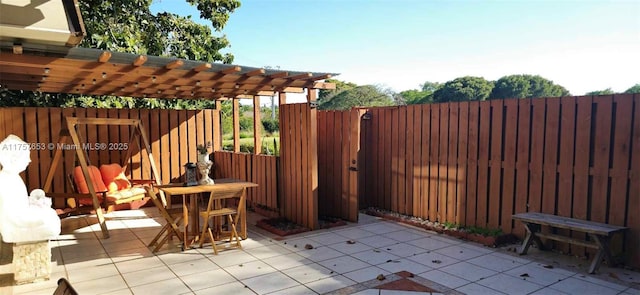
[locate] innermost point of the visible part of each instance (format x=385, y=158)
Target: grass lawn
x=267, y=144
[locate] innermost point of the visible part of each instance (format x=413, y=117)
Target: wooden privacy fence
x=299, y=164
x=260, y=169
x=477, y=163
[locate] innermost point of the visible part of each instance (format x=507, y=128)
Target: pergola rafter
x=97, y=72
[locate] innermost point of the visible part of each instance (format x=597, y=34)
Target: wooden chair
x=64, y=288
x=173, y=218
x=214, y=209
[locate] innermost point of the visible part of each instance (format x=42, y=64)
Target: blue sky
x=581, y=45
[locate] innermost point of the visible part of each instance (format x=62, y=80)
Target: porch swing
x=88, y=182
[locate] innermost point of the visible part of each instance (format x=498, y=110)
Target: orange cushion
x=114, y=177
x=81, y=184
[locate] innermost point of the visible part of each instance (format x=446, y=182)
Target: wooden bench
x=599, y=233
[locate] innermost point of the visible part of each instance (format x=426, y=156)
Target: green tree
x=634, y=89
x=129, y=26
x=359, y=96
x=325, y=94
x=463, y=89
x=414, y=96
x=526, y=86
x=600, y=92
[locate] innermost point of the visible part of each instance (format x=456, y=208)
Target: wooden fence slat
x=581, y=168
x=388, y=163
x=462, y=160
x=494, y=199
x=452, y=163
x=412, y=152
x=401, y=159
x=31, y=138
x=395, y=155
x=537, y=153
x=344, y=165
x=601, y=152
x=483, y=164
x=434, y=185
x=565, y=161
x=550, y=159
x=522, y=160
x=633, y=203
x=509, y=170
x=443, y=162
x=472, y=164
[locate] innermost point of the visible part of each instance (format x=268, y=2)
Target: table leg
x=603, y=252
x=531, y=237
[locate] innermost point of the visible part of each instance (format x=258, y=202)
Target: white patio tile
x=404, y=235
x=207, y=279
x=631, y=291
x=444, y=279
x=534, y=272
x=509, y=284
x=343, y=264
x=433, y=259
x=329, y=238
x=149, y=275
x=404, y=264
x=254, y=242
x=366, y=274
x=228, y=258
x=495, y=262
x=399, y=292
x=268, y=251
x=297, y=290
x=104, y=285
x=382, y=227
x=136, y=264
x=348, y=248
x=320, y=253
x=478, y=247
x=125, y=291
x=249, y=269
x=233, y=288
x=378, y=241
x=330, y=284
x=193, y=266
x=403, y=250
x=548, y=291
x=430, y=243
x=577, y=286
x=92, y=273
x=368, y=292
x=477, y=289
x=468, y=271
x=166, y=287
x=286, y=261
x=298, y=244
x=179, y=257
x=89, y=261
x=459, y=252
x=375, y=256
x=270, y=283
x=309, y=273
x=354, y=233
x=598, y=281
x=129, y=254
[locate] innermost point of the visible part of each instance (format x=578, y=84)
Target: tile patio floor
x=271, y=265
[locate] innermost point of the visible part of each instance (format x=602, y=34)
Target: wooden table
x=600, y=234
x=225, y=186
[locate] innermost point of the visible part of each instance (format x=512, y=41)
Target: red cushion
x=96, y=178
x=114, y=177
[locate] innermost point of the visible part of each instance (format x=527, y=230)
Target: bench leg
x=603, y=252
x=531, y=237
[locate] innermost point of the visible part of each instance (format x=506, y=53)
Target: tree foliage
x=526, y=86
x=425, y=95
x=600, y=92
x=634, y=89
x=359, y=96
x=340, y=86
x=129, y=26
x=463, y=89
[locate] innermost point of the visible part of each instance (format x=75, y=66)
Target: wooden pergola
x=83, y=71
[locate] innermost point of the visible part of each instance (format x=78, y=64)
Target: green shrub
x=270, y=126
